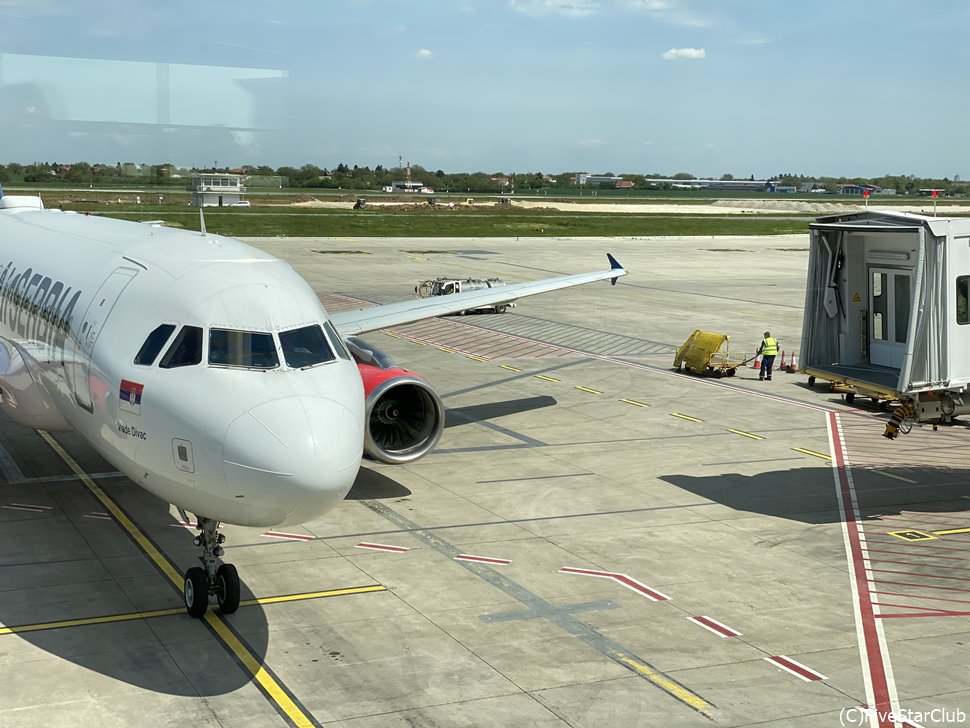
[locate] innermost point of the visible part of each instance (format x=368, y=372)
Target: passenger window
x=185, y=351
x=150, y=350
x=336, y=341
x=305, y=347
x=229, y=348
x=963, y=289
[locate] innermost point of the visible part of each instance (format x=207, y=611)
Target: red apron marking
x=483, y=559
x=712, y=625
x=627, y=581
x=382, y=547
x=796, y=668
x=874, y=666
x=183, y=524
x=288, y=536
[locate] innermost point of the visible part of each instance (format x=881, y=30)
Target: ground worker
x=768, y=351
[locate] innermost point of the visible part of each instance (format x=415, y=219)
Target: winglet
x=615, y=265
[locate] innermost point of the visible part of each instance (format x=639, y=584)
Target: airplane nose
x=297, y=456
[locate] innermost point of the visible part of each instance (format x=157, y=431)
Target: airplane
x=208, y=371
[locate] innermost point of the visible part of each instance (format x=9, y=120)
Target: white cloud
x=424, y=53
x=591, y=142
x=684, y=54
x=573, y=8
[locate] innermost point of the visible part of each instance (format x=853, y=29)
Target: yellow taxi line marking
x=446, y=349
x=511, y=369
x=685, y=417
x=268, y=684
x=177, y=611
x=391, y=333
x=545, y=378
x=315, y=595
x=681, y=693
x=587, y=389
x=91, y=620
x=812, y=452
x=634, y=403
x=746, y=434
x=951, y=531
x=476, y=358
x=415, y=341
x=895, y=477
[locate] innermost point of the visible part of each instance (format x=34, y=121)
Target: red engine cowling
x=405, y=416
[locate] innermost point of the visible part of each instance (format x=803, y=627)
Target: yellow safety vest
x=769, y=347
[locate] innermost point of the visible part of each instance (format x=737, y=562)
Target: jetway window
x=152, y=347
x=247, y=349
x=185, y=351
x=880, y=306
x=963, y=290
x=305, y=347
x=902, y=306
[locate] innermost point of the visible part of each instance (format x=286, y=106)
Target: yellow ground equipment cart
x=707, y=353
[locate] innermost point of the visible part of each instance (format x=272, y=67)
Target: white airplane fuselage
x=252, y=445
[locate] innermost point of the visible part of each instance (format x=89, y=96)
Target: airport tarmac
x=597, y=539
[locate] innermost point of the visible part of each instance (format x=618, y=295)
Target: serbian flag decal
x=130, y=394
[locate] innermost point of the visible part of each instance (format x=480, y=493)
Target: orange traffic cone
x=781, y=366
x=793, y=365
x=757, y=362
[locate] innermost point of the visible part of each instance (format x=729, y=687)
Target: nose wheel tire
x=227, y=588
x=212, y=578
x=197, y=592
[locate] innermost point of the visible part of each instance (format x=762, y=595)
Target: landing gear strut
x=211, y=578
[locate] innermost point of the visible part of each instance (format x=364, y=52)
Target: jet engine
x=405, y=416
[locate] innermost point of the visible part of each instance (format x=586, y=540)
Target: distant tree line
x=344, y=176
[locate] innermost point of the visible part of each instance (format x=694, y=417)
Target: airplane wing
x=362, y=320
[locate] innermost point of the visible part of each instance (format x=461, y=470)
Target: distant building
x=754, y=185
x=584, y=178
x=216, y=190
x=409, y=187
x=858, y=189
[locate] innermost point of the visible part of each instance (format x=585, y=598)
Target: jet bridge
x=886, y=311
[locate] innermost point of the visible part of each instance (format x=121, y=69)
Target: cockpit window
x=185, y=351
x=336, y=341
x=305, y=347
x=230, y=348
x=153, y=345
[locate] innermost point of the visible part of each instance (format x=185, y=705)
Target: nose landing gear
x=220, y=580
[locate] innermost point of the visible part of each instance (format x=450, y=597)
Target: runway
x=597, y=539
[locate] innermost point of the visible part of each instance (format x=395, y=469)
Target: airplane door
x=87, y=333
x=889, y=309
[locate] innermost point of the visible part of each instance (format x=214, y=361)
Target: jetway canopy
x=886, y=301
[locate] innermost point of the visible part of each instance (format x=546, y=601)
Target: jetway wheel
x=811, y=381
x=849, y=397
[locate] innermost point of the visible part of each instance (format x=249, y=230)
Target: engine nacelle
x=22, y=397
x=405, y=416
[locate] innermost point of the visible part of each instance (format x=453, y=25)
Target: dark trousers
x=766, y=363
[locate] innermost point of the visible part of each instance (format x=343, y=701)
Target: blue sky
x=746, y=87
